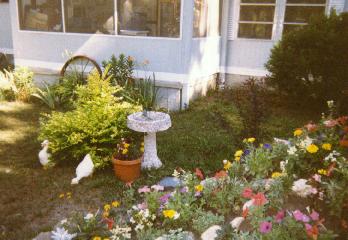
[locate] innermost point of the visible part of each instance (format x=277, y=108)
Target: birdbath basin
x=150, y=124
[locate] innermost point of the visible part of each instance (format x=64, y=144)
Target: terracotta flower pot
x=127, y=171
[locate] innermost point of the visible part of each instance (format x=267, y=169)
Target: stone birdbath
x=149, y=124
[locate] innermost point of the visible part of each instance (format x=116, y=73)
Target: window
x=40, y=15
x=89, y=16
x=207, y=18
x=149, y=17
x=298, y=12
x=256, y=19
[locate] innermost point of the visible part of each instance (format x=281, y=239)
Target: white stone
x=236, y=222
x=210, y=233
x=150, y=124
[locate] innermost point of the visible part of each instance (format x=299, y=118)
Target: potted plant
x=127, y=159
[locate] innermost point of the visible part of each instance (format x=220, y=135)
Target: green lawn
x=201, y=136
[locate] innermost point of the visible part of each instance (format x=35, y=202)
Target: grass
x=202, y=136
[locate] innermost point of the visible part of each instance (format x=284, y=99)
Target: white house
x=187, y=42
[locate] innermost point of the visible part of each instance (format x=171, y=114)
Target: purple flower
x=164, y=199
x=314, y=215
x=246, y=152
x=267, y=146
x=265, y=227
x=280, y=216
x=198, y=194
x=184, y=189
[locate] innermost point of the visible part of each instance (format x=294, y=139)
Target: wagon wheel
x=80, y=65
x=4, y=63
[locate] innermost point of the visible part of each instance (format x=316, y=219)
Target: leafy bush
x=309, y=65
x=95, y=126
x=203, y=220
x=250, y=99
x=17, y=85
x=48, y=96
x=121, y=69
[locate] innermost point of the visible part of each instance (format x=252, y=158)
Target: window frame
x=116, y=35
x=278, y=21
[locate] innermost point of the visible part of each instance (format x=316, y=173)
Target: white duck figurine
x=44, y=156
x=84, y=169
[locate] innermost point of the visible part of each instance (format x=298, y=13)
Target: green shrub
x=16, y=85
x=95, y=126
x=309, y=65
x=48, y=96
x=203, y=220
x=121, y=69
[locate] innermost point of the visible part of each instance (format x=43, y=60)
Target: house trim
x=244, y=71
x=6, y=50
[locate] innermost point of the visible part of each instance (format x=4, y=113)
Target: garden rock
x=43, y=236
x=170, y=182
x=210, y=233
x=189, y=236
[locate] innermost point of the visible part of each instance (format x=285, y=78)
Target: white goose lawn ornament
x=44, y=156
x=84, y=169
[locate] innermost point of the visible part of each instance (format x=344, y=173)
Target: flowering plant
x=129, y=149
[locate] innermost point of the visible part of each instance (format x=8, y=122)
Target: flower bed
x=269, y=191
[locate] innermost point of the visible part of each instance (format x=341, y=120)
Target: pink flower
x=142, y=206
x=157, y=188
x=299, y=216
x=247, y=193
x=321, y=196
x=259, y=199
x=317, y=177
x=330, y=123
x=144, y=189
x=265, y=227
x=280, y=216
x=314, y=215
x=314, y=191
x=311, y=127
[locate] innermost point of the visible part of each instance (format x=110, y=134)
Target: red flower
x=311, y=127
x=330, y=169
x=312, y=231
x=248, y=193
x=259, y=199
x=342, y=120
x=199, y=173
x=109, y=222
x=220, y=174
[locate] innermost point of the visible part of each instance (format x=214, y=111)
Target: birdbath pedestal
x=150, y=124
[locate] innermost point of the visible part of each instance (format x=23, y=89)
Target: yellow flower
x=237, y=159
x=115, y=204
x=312, y=148
x=276, y=175
x=199, y=188
x=298, y=132
x=61, y=195
x=106, y=214
x=169, y=213
x=227, y=165
x=251, y=140
x=68, y=195
x=124, y=151
x=142, y=149
x=126, y=145
x=97, y=238
x=238, y=153
x=106, y=238
x=326, y=146
x=142, y=144
x=322, y=171
x=107, y=207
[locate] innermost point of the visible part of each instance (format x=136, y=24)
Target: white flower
x=88, y=216
x=176, y=216
x=62, y=234
x=236, y=222
x=157, y=188
x=176, y=174
x=268, y=183
x=120, y=233
x=302, y=189
x=64, y=221
x=292, y=150
x=306, y=142
x=282, y=166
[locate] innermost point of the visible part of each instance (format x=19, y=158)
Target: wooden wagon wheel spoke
x=80, y=64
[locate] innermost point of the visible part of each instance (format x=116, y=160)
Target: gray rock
x=210, y=233
x=168, y=182
x=43, y=236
